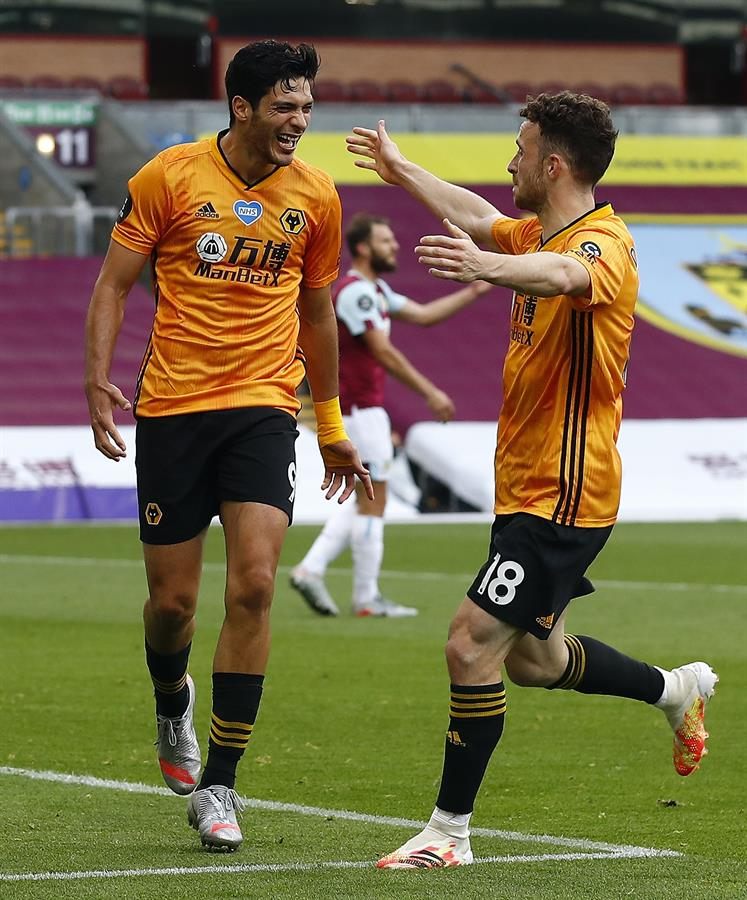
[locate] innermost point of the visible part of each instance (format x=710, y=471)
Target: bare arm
x=318, y=339
x=381, y=155
x=119, y=271
x=455, y=257
x=437, y=310
x=400, y=367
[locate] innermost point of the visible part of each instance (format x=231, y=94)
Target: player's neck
x=562, y=209
x=245, y=164
x=363, y=268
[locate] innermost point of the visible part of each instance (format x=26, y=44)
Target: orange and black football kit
x=228, y=260
x=557, y=468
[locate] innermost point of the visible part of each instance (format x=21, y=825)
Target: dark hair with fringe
x=360, y=228
x=578, y=127
x=259, y=66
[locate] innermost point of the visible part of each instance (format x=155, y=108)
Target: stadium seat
x=330, y=91
x=440, y=91
x=86, y=83
x=517, y=91
x=46, y=83
x=403, y=91
x=593, y=89
x=11, y=83
x=123, y=87
x=627, y=94
x=663, y=94
x=478, y=93
x=365, y=91
x=550, y=87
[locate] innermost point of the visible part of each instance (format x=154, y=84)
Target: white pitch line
x=463, y=577
x=622, y=850
x=248, y=868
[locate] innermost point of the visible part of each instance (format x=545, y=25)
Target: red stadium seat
x=123, y=87
x=46, y=83
x=593, y=89
x=11, y=83
x=550, y=87
x=330, y=91
x=440, y=91
x=627, y=94
x=403, y=91
x=86, y=83
x=365, y=91
x=663, y=94
x=478, y=93
x=517, y=91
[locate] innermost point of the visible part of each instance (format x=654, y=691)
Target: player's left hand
x=453, y=256
x=341, y=465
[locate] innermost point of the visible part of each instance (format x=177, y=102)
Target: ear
x=555, y=165
x=242, y=110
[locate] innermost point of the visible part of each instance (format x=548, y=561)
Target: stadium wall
x=496, y=62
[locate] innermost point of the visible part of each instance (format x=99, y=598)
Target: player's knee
x=250, y=592
x=462, y=653
x=173, y=609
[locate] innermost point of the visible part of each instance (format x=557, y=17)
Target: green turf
x=353, y=718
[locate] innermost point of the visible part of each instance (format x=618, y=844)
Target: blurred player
x=557, y=469
x=244, y=241
x=364, y=303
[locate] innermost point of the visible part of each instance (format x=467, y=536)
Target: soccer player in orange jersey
x=573, y=270
x=244, y=243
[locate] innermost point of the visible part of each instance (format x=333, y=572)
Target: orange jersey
x=564, y=375
x=228, y=262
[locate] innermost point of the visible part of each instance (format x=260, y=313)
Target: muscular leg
x=173, y=572
x=254, y=536
x=584, y=664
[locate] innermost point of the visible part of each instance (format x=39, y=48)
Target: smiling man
x=573, y=270
x=244, y=243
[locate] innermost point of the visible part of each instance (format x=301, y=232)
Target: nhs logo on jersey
x=248, y=212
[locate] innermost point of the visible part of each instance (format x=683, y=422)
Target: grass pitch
x=352, y=720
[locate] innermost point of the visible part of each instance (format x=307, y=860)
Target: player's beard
x=381, y=264
x=531, y=195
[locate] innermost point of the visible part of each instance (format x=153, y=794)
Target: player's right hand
x=381, y=154
x=441, y=405
x=103, y=399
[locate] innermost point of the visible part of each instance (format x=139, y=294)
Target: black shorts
x=534, y=569
x=188, y=464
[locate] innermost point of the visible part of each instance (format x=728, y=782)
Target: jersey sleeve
x=607, y=258
x=146, y=211
x=515, y=236
x=322, y=257
x=396, y=302
x=357, y=309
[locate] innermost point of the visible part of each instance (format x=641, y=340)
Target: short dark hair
x=360, y=228
x=261, y=65
x=577, y=126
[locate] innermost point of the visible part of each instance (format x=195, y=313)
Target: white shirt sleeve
x=395, y=301
x=357, y=306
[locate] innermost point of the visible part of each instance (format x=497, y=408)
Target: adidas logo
x=207, y=211
x=453, y=737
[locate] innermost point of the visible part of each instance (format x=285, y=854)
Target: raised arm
x=455, y=257
x=119, y=271
x=381, y=155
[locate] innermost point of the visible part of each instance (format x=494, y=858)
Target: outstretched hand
x=103, y=399
x=341, y=465
x=381, y=154
x=453, y=256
